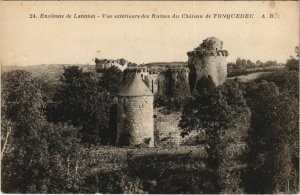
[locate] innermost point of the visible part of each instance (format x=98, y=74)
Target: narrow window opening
x=152, y=86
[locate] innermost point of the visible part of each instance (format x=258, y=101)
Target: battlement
x=107, y=61
x=155, y=71
x=179, y=69
x=211, y=46
x=122, y=64
x=144, y=69
x=136, y=70
x=202, y=53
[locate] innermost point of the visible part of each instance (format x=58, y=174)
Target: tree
x=244, y=63
x=274, y=124
x=66, y=153
x=270, y=63
x=111, y=79
x=286, y=81
x=259, y=63
x=239, y=63
x=25, y=163
x=250, y=64
x=297, y=50
x=220, y=112
x=122, y=61
x=84, y=101
x=230, y=66
x=293, y=62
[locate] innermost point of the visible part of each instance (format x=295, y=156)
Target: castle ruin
x=136, y=121
x=122, y=64
x=209, y=59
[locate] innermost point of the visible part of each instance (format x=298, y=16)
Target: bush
x=113, y=182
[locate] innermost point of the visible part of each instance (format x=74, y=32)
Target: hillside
x=52, y=72
x=249, y=77
x=49, y=72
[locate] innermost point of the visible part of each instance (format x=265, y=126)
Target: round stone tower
x=210, y=60
x=135, y=126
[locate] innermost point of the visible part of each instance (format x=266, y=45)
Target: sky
x=34, y=41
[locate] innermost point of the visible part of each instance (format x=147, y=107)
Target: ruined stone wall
x=135, y=125
x=209, y=60
x=213, y=66
x=122, y=64
x=161, y=84
x=141, y=72
x=153, y=81
x=179, y=82
x=167, y=132
x=172, y=82
x=166, y=127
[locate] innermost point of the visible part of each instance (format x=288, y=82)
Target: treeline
x=244, y=66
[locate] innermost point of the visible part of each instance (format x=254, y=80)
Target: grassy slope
x=114, y=158
x=51, y=72
x=48, y=72
x=159, y=169
x=249, y=77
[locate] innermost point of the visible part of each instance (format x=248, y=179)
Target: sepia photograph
x=149, y=97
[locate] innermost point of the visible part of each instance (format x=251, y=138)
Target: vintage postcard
x=159, y=97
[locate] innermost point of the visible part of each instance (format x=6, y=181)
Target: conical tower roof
x=135, y=87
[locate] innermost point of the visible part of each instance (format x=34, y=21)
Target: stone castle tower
x=135, y=126
x=209, y=59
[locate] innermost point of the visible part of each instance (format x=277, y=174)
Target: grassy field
x=249, y=77
x=114, y=158
x=177, y=169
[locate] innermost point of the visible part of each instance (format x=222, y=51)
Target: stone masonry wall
x=212, y=66
x=106, y=63
x=180, y=82
x=153, y=82
x=209, y=60
x=135, y=125
x=171, y=82
x=166, y=127
x=167, y=131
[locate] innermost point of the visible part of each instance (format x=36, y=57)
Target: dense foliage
x=273, y=156
x=24, y=148
x=221, y=112
x=86, y=100
x=271, y=159
x=40, y=156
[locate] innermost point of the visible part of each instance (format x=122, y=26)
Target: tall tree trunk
x=68, y=165
x=5, y=142
x=76, y=168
